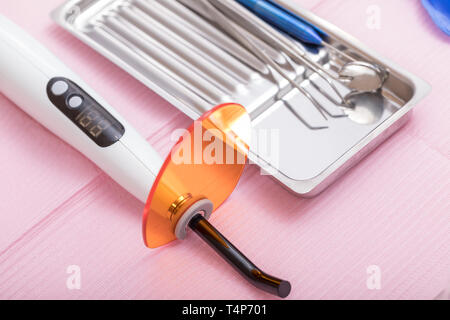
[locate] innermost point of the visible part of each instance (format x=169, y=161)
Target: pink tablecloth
x=57, y=209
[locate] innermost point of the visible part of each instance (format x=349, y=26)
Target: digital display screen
x=86, y=113
x=94, y=122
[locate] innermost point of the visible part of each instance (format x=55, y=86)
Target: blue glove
x=439, y=11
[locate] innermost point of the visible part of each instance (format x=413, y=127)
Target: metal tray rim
x=312, y=187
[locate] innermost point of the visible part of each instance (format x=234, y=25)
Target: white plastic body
x=25, y=70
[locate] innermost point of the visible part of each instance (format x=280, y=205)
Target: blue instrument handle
x=322, y=33
x=284, y=20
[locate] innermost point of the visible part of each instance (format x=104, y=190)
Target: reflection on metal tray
x=188, y=60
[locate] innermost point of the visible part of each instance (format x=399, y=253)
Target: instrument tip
x=284, y=289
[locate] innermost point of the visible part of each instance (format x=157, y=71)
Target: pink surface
x=392, y=210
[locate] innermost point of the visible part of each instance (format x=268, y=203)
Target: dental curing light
x=184, y=189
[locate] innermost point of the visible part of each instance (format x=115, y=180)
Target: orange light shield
x=206, y=162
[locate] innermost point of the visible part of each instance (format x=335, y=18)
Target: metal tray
x=189, y=62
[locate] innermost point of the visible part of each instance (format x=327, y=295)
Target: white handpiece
x=47, y=90
x=43, y=87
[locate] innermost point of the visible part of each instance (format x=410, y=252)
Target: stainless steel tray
x=192, y=64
